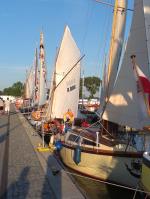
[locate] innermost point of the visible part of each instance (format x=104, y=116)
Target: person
x=68, y=120
x=7, y=105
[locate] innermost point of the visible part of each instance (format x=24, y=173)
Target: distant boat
x=104, y=152
x=88, y=105
x=28, y=91
x=30, y=97
x=40, y=84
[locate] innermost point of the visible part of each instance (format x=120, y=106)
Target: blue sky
x=22, y=20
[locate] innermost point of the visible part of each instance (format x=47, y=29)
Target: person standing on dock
x=68, y=120
x=7, y=106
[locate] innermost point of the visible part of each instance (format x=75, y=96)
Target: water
x=97, y=190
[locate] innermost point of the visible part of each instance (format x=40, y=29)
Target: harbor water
x=97, y=190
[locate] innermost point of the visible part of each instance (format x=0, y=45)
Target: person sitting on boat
x=36, y=115
x=68, y=120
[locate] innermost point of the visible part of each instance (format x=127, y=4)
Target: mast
x=25, y=88
x=36, y=77
x=112, y=44
x=83, y=89
x=116, y=44
x=42, y=87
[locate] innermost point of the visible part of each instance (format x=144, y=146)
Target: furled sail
x=36, y=78
x=124, y=105
x=66, y=78
x=42, y=86
x=117, y=38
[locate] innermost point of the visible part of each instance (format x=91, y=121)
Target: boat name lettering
x=71, y=88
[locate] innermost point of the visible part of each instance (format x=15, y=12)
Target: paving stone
x=26, y=178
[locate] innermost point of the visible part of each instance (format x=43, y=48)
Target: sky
x=21, y=22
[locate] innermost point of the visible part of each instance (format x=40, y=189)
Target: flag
x=144, y=81
x=143, y=89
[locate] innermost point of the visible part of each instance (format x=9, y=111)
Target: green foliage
x=92, y=84
x=15, y=90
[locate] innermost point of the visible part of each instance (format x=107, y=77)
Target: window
x=73, y=138
x=88, y=142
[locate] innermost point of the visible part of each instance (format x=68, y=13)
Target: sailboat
x=28, y=91
x=97, y=152
x=40, y=91
x=64, y=90
x=43, y=81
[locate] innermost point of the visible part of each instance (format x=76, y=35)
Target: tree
x=92, y=84
x=15, y=90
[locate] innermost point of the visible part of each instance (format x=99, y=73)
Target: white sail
x=66, y=91
x=29, y=85
x=123, y=107
x=42, y=86
x=51, y=95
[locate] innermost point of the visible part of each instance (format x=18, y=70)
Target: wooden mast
x=110, y=54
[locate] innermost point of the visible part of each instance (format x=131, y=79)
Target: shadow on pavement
x=19, y=188
x=52, y=181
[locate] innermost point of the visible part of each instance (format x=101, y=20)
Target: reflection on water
x=97, y=190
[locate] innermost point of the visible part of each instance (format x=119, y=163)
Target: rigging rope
x=98, y=180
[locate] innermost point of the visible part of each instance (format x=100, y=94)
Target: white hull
x=104, y=167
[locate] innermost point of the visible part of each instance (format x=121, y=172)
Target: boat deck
x=103, y=139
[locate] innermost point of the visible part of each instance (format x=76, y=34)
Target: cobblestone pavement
x=22, y=176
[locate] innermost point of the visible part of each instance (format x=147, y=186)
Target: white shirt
x=7, y=103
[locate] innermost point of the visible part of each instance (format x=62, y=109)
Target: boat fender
x=77, y=154
x=58, y=145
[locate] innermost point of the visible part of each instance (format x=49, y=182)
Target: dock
x=26, y=173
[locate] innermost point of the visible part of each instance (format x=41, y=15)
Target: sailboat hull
x=145, y=182
x=107, y=166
